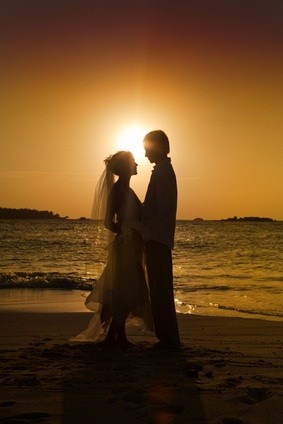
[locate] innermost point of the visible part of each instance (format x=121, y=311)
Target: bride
x=121, y=293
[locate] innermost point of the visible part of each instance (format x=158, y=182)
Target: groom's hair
x=157, y=141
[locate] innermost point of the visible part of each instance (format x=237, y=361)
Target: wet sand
x=229, y=370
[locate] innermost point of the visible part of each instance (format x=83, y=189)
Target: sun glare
x=131, y=138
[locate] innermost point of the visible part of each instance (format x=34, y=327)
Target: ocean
x=220, y=268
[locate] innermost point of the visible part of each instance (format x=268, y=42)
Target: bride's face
x=129, y=167
x=133, y=167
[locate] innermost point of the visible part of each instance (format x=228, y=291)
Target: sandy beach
x=228, y=371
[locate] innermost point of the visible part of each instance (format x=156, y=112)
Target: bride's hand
x=136, y=225
x=126, y=231
x=128, y=228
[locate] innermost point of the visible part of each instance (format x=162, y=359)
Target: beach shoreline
x=228, y=371
x=72, y=300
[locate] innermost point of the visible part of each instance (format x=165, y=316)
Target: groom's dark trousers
x=160, y=275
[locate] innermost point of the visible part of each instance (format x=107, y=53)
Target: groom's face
x=153, y=156
x=150, y=155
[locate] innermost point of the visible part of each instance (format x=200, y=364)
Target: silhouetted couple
x=121, y=293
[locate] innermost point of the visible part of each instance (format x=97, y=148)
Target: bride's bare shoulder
x=116, y=189
x=116, y=195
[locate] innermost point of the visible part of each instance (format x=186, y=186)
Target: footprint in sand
x=255, y=395
x=209, y=374
x=7, y=404
x=233, y=381
x=227, y=420
x=28, y=417
x=194, y=366
x=136, y=396
x=219, y=363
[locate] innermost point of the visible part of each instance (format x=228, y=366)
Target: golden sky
x=76, y=74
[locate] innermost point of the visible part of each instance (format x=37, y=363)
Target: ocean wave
x=239, y=311
x=247, y=288
x=215, y=287
x=203, y=287
x=50, y=280
x=251, y=312
x=276, y=278
x=202, y=276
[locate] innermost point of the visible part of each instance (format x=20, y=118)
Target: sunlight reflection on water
x=220, y=268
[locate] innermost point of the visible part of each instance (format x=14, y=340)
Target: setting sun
x=131, y=138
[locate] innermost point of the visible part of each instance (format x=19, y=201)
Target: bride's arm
x=111, y=209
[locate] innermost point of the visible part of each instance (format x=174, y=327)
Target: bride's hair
x=114, y=165
x=118, y=162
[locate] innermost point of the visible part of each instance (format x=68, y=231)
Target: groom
x=159, y=219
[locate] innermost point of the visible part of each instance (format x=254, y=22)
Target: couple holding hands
x=137, y=281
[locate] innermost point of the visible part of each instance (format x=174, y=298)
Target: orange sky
x=74, y=73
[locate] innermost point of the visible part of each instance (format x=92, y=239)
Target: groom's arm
x=161, y=209
x=166, y=201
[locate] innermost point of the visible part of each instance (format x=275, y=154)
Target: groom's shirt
x=160, y=205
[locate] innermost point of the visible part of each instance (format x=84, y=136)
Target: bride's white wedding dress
x=122, y=284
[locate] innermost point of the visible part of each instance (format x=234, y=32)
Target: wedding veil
x=102, y=191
